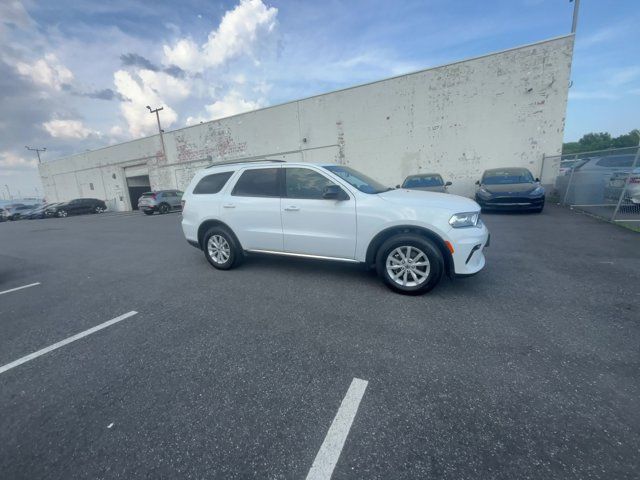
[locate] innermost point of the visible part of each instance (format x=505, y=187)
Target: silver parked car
x=430, y=182
x=162, y=201
x=588, y=179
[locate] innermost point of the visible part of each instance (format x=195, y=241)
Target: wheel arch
x=387, y=233
x=207, y=224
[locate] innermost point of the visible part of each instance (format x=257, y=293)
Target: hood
x=511, y=188
x=417, y=198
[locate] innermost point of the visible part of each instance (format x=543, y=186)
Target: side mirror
x=477, y=182
x=398, y=186
x=448, y=184
x=537, y=179
x=334, y=192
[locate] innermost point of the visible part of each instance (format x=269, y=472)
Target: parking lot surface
x=528, y=370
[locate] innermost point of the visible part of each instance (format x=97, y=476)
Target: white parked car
x=332, y=212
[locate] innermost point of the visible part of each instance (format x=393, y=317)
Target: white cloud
x=47, y=71
x=11, y=161
x=600, y=36
x=231, y=104
x=591, y=95
x=67, y=129
x=165, y=85
x=141, y=94
x=238, y=33
x=624, y=75
x=185, y=54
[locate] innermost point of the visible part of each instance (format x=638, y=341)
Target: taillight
x=634, y=180
x=153, y=195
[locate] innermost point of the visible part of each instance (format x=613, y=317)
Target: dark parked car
x=510, y=189
x=39, y=212
x=78, y=206
x=162, y=201
x=16, y=212
x=430, y=182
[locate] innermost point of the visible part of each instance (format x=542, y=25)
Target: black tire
x=98, y=209
x=163, y=208
x=423, y=245
x=148, y=212
x=61, y=213
x=235, y=254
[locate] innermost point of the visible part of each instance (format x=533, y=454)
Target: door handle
x=228, y=205
x=292, y=208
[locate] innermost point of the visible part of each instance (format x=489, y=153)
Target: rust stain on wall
x=216, y=142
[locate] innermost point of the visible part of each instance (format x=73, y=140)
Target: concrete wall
x=502, y=109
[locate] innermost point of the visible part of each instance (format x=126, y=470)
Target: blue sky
x=77, y=74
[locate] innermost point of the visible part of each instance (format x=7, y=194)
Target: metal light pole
x=576, y=7
x=164, y=152
x=37, y=150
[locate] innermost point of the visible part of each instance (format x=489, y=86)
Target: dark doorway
x=137, y=186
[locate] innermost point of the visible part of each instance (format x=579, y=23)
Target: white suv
x=332, y=212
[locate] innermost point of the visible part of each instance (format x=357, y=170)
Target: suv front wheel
x=221, y=249
x=410, y=264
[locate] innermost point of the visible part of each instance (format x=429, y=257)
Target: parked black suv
x=77, y=207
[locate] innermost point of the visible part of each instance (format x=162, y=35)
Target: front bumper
x=468, y=248
x=511, y=203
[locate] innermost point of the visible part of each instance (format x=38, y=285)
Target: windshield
x=507, y=176
x=357, y=179
x=424, y=181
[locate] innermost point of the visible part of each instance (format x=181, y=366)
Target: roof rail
x=233, y=162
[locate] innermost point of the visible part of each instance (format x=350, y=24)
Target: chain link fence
x=604, y=183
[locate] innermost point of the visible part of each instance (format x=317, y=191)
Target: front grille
x=513, y=200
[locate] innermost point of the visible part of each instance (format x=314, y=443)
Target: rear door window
x=211, y=183
x=259, y=182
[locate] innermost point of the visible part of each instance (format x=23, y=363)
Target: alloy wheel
x=219, y=249
x=408, y=266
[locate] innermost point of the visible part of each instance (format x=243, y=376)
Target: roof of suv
x=251, y=163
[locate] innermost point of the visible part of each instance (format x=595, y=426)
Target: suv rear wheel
x=410, y=264
x=221, y=249
x=164, y=208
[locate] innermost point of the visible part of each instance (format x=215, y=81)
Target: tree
x=601, y=141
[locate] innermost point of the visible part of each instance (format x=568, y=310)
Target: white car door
x=251, y=208
x=312, y=224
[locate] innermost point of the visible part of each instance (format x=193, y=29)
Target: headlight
x=483, y=191
x=468, y=219
x=538, y=191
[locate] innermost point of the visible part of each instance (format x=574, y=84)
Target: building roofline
x=395, y=77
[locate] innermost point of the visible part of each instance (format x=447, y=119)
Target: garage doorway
x=137, y=186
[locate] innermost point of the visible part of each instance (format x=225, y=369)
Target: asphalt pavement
x=530, y=369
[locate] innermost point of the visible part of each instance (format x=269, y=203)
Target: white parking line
x=66, y=341
x=329, y=452
x=20, y=288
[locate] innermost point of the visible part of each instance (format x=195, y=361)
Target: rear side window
x=261, y=182
x=212, y=183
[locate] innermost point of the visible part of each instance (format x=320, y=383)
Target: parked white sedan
x=332, y=212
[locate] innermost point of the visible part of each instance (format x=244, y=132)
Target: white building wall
x=502, y=109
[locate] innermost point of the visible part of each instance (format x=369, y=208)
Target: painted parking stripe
x=66, y=341
x=20, y=288
x=329, y=452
